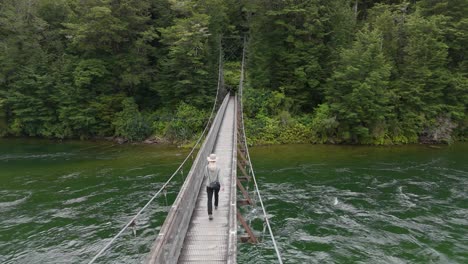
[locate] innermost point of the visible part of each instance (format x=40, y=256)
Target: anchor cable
x=278, y=254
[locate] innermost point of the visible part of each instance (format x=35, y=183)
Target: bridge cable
x=278, y=254
x=132, y=221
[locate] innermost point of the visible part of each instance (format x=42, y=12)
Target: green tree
x=340, y=26
x=184, y=73
x=454, y=28
x=25, y=85
x=130, y=123
x=288, y=45
x=357, y=92
x=423, y=75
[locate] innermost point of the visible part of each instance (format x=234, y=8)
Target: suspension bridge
x=187, y=235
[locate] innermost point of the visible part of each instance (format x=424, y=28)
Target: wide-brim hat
x=212, y=157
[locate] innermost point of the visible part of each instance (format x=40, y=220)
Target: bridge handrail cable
x=241, y=86
x=132, y=220
x=167, y=246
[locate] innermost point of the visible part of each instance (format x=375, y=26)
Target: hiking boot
x=210, y=217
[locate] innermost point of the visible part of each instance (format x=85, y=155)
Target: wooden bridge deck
x=206, y=240
x=187, y=235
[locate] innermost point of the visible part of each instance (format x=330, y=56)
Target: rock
x=120, y=140
x=155, y=140
x=149, y=141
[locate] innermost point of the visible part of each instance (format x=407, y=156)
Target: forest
x=318, y=71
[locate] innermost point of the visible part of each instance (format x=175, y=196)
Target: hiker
x=213, y=184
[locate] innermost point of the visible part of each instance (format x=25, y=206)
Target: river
x=61, y=202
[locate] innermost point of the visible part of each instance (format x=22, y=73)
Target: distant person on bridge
x=213, y=184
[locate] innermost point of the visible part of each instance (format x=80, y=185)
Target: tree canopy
x=337, y=71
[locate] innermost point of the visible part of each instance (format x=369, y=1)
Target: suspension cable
x=241, y=86
x=132, y=221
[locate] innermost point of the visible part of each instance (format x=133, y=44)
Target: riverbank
x=268, y=141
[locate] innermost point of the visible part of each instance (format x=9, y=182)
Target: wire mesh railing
x=247, y=154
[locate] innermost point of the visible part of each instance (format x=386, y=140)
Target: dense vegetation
x=338, y=71
x=380, y=72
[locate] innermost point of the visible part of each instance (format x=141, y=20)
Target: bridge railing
x=232, y=243
x=168, y=244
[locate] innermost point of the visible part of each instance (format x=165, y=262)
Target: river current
x=61, y=202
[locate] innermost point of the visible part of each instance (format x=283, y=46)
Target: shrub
x=323, y=125
x=130, y=123
x=185, y=124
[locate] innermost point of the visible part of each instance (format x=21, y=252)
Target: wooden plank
x=253, y=238
x=242, y=156
x=243, y=202
x=244, y=178
x=244, y=173
x=205, y=233
x=243, y=191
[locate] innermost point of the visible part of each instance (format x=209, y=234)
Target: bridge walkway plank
x=206, y=240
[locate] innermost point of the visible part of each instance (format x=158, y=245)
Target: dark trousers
x=210, y=192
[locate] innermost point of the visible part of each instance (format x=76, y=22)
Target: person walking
x=213, y=184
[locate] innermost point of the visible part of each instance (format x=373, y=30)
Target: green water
x=61, y=202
